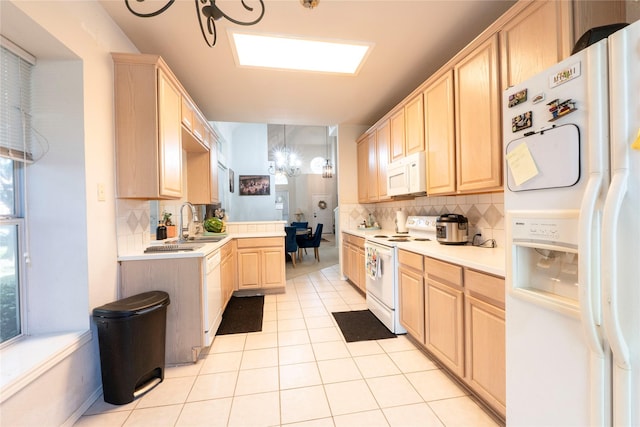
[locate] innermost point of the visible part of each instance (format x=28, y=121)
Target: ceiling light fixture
x=327, y=169
x=207, y=11
x=286, y=161
x=285, y=52
x=310, y=4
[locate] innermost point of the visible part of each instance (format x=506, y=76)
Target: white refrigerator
x=572, y=222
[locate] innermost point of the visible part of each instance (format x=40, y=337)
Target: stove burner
x=381, y=235
x=400, y=236
x=421, y=239
x=399, y=239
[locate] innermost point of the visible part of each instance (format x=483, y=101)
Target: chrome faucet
x=194, y=217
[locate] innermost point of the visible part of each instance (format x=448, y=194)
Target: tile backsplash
x=135, y=218
x=133, y=224
x=484, y=211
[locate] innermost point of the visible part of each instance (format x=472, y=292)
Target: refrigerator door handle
x=612, y=207
x=589, y=315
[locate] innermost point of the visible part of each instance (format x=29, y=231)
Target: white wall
x=348, y=162
x=248, y=148
x=72, y=237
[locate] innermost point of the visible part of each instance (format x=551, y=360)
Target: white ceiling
x=412, y=40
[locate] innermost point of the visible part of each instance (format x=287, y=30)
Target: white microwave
x=407, y=175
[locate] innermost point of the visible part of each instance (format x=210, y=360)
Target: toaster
x=452, y=229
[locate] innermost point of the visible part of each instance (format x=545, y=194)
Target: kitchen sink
x=205, y=239
x=173, y=247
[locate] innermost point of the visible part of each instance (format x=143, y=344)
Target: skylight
x=297, y=53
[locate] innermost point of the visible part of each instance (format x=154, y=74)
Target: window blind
x=16, y=133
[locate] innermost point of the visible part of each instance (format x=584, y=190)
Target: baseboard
x=83, y=408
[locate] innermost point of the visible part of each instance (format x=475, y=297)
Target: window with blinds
x=15, y=103
x=15, y=150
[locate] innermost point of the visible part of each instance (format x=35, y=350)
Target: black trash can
x=131, y=335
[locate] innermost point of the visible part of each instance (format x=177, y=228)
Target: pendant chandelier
x=286, y=161
x=327, y=169
x=206, y=10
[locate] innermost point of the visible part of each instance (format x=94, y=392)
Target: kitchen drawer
x=260, y=242
x=355, y=240
x=485, y=287
x=410, y=259
x=227, y=249
x=445, y=272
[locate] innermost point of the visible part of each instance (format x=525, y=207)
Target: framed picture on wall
x=254, y=185
x=231, y=180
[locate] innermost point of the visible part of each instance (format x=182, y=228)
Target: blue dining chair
x=311, y=242
x=290, y=244
x=300, y=224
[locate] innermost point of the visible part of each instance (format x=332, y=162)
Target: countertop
x=202, y=251
x=488, y=260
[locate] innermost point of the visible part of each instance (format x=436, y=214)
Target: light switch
x=101, y=194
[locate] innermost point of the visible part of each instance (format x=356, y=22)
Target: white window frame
x=18, y=218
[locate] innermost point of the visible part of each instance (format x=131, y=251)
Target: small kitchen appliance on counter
x=452, y=229
x=401, y=222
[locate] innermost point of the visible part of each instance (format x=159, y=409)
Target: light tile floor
x=299, y=371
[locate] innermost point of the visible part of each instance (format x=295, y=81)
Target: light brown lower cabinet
x=411, y=291
x=353, y=260
x=458, y=315
x=444, y=313
x=261, y=263
x=485, y=338
x=228, y=270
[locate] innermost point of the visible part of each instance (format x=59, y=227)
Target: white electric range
x=381, y=265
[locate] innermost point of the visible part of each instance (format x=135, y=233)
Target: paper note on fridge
x=521, y=163
x=545, y=159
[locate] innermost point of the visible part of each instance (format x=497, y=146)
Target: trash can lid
x=133, y=305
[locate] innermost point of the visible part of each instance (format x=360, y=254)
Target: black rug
x=361, y=325
x=243, y=314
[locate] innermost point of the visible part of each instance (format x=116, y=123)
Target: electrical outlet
x=101, y=193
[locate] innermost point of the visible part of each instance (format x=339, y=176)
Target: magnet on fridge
x=636, y=144
x=559, y=109
x=517, y=98
x=538, y=98
x=521, y=121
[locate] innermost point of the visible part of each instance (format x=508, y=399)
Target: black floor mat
x=243, y=314
x=361, y=325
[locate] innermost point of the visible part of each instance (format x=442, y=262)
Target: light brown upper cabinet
x=187, y=114
x=407, y=129
x=531, y=41
x=440, y=141
x=213, y=153
x=478, y=120
x=414, y=125
x=148, y=128
x=544, y=32
x=397, y=135
x=363, y=168
x=383, y=138
x=202, y=168
x=461, y=122
x=372, y=157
